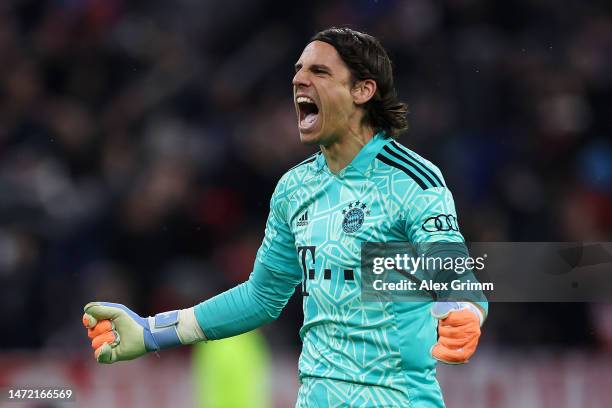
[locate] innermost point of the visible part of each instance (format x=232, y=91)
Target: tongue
x=310, y=119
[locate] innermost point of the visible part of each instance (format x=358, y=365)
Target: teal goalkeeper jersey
x=317, y=223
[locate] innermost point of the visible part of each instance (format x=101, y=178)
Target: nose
x=300, y=79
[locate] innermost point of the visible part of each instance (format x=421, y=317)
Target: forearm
x=246, y=306
x=119, y=334
x=231, y=313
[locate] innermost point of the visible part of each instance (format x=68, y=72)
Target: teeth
x=304, y=99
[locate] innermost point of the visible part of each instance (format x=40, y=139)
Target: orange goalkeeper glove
x=458, y=331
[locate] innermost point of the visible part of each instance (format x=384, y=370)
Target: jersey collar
x=369, y=152
x=364, y=157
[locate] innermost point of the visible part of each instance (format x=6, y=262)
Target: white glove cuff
x=188, y=328
x=473, y=308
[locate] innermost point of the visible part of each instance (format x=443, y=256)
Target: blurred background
x=140, y=142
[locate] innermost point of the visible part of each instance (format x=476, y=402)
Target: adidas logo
x=303, y=220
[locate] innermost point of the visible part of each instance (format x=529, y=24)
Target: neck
x=343, y=150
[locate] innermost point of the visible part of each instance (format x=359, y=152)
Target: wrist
x=188, y=328
x=172, y=329
x=161, y=332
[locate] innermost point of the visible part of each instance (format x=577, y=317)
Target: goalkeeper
x=362, y=186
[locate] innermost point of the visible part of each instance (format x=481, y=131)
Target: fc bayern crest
x=354, y=215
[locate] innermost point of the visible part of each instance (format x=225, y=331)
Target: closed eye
x=319, y=69
x=316, y=69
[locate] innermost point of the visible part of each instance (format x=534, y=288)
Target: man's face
x=322, y=94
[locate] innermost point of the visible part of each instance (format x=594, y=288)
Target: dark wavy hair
x=366, y=58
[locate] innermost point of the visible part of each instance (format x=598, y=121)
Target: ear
x=363, y=91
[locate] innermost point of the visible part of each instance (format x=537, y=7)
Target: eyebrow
x=321, y=67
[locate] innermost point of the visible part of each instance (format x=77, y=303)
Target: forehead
x=321, y=53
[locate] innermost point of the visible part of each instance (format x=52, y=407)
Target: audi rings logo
x=442, y=222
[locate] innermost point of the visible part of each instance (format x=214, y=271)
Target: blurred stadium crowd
x=140, y=142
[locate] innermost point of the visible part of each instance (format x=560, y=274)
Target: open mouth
x=308, y=113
